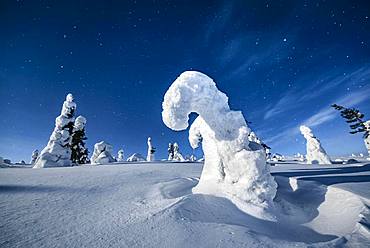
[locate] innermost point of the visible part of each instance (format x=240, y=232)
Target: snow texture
x=151, y=151
x=151, y=206
x=170, y=152
x=234, y=167
x=121, y=156
x=102, y=153
x=136, y=157
x=57, y=153
x=315, y=152
x=34, y=156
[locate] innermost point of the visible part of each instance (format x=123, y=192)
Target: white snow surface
x=234, y=167
x=151, y=205
x=102, y=153
x=316, y=154
x=150, y=154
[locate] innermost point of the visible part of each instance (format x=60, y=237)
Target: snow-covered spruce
x=136, y=157
x=151, y=150
x=102, y=153
x=315, y=152
x=80, y=154
x=234, y=167
x=177, y=156
x=57, y=153
x=34, y=156
x=121, y=156
x=367, y=137
x=170, y=152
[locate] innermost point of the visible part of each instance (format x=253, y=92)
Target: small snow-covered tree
x=234, y=167
x=170, y=152
x=102, y=153
x=121, y=156
x=355, y=118
x=151, y=151
x=177, y=156
x=58, y=150
x=315, y=152
x=34, y=156
x=136, y=157
x=80, y=154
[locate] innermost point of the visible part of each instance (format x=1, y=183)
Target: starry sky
x=282, y=63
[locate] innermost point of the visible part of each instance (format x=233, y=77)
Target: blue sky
x=282, y=63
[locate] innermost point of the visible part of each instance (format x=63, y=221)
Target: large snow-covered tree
x=316, y=154
x=80, y=154
x=57, y=153
x=234, y=167
x=355, y=119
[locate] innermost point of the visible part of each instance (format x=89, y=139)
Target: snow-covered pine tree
x=121, y=156
x=57, y=153
x=34, y=156
x=79, y=152
x=151, y=151
x=355, y=119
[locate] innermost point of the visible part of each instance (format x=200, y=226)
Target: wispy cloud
x=295, y=98
x=327, y=114
x=324, y=115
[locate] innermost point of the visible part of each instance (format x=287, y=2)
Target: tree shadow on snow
x=323, y=171
x=9, y=189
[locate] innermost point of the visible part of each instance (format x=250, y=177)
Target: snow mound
x=136, y=157
x=102, y=153
x=315, y=152
x=234, y=167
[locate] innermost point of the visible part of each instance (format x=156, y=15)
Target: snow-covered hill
x=151, y=205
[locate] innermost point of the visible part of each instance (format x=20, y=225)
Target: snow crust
x=102, y=153
x=234, y=167
x=57, y=153
x=315, y=152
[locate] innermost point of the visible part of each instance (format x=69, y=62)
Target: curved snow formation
x=57, y=153
x=234, y=167
x=315, y=152
x=102, y=153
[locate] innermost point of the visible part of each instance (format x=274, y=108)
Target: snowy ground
x=151, y=205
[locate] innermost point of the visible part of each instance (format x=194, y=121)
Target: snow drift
x=234, y=167
x=315, y=152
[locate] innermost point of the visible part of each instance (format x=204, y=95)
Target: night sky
x=282, y=63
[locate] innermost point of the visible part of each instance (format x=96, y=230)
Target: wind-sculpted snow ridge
x=102, y=153
x=315, y=152
x=234, y=167
x=57, y=153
